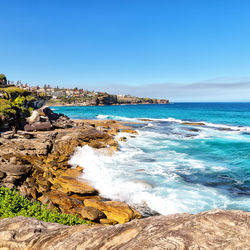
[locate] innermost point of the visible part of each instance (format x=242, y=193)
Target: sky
x=182, y=50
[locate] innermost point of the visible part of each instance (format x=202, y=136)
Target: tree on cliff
x=15, y=105
x=3, y=79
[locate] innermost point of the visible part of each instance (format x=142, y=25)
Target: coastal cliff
x=35, y=162
x=102, y=99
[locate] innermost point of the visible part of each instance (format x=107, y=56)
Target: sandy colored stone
x=114, y=210
x=91, y=213
x=211, y=230
x=193, y=123
x=73, y=172
x=107, y=222
x=130, y=131
x=64, y=202
x=123, y=139
x=74, y=185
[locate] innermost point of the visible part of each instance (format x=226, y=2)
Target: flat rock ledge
x=215, y=229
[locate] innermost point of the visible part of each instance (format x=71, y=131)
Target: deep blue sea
x=171, y=167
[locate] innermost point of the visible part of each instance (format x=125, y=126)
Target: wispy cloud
x=210, y=90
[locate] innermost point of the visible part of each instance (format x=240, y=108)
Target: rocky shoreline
x=114, y=104
x=36, y=163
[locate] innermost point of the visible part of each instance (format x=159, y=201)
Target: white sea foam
x=208, y=124
x=114, y=117
x=156, y=184
x=102, y=117
x=148, y=168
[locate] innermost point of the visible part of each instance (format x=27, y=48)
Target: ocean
x=170, y=167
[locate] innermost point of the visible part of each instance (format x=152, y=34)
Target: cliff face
x=107, y=100
x=214, y=229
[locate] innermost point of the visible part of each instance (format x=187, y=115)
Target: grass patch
x=13, y=204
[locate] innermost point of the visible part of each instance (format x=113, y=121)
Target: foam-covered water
x=169, y=166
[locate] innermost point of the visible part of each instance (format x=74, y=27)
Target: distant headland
x=79, y=97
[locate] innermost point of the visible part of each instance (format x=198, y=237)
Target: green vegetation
x=12, y=204
x=2, y=77
x=14, y=92
x=14, y=104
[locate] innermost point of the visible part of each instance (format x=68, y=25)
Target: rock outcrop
x=36, y=163
x=45, y=119
x=211, y=230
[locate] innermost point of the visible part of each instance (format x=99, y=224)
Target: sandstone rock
x=145, y=120
x=2, y=175
x=130, y=131
x=35, y=117
x=23, y=134
x=91, y=213
x=64, y=202
x=123, y=139
x=108, y=222
x=38, y=126
x=14, y=169
x=8, y=135
x=216, y=229
x=73, y=172
x=114, y=210
x=81, y=197
x=72, y=185
x=193, y=123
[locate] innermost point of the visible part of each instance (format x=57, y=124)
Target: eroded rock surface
x=36, y=163
x=214, y=229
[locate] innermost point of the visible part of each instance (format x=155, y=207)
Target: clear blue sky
x=179, y=49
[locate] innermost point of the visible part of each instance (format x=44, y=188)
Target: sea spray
x=161, y=182
x=170, y=166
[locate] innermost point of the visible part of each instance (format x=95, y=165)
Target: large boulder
x=38, y=126
x=114, y=210
x=45, y=119
x=216, y=229
x=91, y=213
x=61, y=200
x=73, y=185
x=35, y=117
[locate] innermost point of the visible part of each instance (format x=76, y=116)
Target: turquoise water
x=171, y=167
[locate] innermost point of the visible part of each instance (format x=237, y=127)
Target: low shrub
x=13, y=204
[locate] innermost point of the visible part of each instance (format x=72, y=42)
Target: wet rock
x=123, y=139
x=130, y=131
x=146, y=120
x=193, y=123
x=193, y=129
